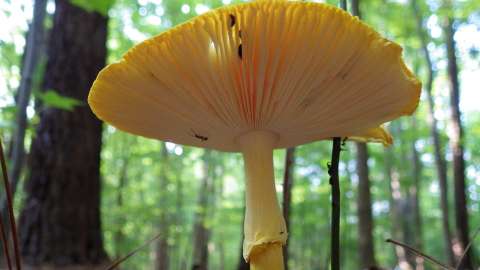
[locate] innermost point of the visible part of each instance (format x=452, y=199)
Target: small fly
x=343, y=145
x=198, y=136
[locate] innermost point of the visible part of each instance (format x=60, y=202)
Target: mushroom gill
x=254, y=77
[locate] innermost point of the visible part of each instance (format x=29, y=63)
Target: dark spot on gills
x=233, y=20
x=240, y=51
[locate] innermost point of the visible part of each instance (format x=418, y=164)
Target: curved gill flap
x=305, y=71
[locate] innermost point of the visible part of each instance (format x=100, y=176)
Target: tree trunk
x=287, y=195
x=415, y=198
x=348, y=229
x=364, y=201
x=60, y=220
x=201, y=232
x=396, y=201
x=161, y=248
x=456, y=143
x=34, y=38
x=406, y=203
x=177, y=252
x=437, y=145
x=221, y=254
x=119, y=236
x=364, y=208
x=216, y=198
x=31, y=56
x=355, y=6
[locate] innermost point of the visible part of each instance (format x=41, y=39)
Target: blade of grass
x=5, y=245
x=467, y=248
x=8, y=192
x=420, y=254
x=126, y=257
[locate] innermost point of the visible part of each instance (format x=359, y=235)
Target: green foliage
x=53, y=99
x=101, y=7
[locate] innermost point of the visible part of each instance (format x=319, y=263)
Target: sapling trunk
x=265, y=229
x=11, y=216
x=6, y=253
x=334, y=182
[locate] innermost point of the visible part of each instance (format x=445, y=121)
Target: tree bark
x=405, y=204
x=355, y=6
x=348, y=229
x=287, y=195
x=415, y=198
x=364, y=202
x=456, y=143
x=119, y=236
x=177, y=252
x=396, y=201
x=162, y=248
x=201, y=232
x=221, y=254
x=440, y=163
x=364, y=208
x=60, y=220
x=217, y=197
x=31, y=56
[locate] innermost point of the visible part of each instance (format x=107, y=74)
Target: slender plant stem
x=119, y=261
x=8, y=191
x=334, y=182
x=420, y=254
x=467, y=248
x=5, y=244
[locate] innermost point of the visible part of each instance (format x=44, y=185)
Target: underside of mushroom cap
x=304, y=71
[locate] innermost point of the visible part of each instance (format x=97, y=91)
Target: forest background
x=424, y=190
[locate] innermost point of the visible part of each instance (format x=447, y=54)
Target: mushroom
x=255, y=77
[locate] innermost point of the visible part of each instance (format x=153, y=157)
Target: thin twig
x=420, y=254
x=334, y=182
x=467, y=248
x=126, y=257
x=8, y=192
x=5, y=245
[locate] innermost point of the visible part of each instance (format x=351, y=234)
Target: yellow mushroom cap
x=304, y=71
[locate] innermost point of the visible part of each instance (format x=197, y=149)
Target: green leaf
x=52, y=99
x=101, y=7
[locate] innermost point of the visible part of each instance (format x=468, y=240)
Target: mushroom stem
x=271, y=258
x=265, y=229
